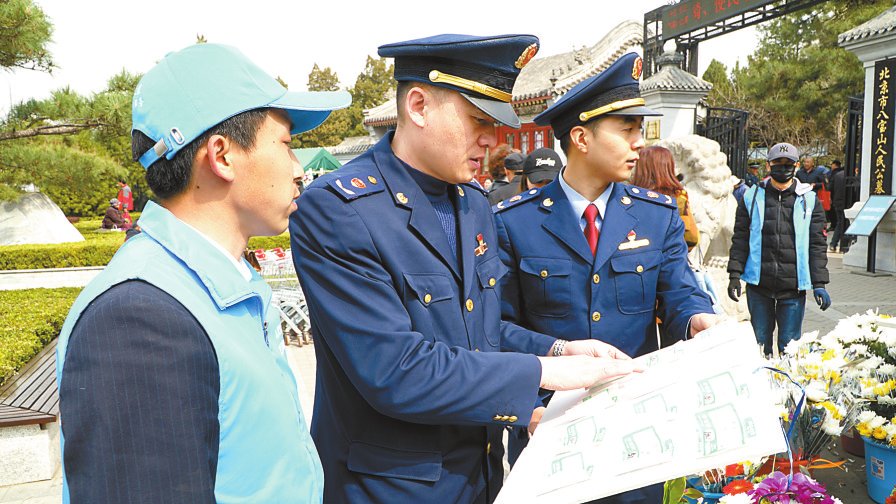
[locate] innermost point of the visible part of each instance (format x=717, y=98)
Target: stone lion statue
x=707, y=178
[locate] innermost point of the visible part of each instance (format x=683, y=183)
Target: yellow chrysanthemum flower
x=863, y=429
x=879, y=433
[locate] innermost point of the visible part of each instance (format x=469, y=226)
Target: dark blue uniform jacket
x=412, y=392
x=640, y=272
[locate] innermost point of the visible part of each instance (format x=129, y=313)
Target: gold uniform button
x=427, y=298
x=496, y=418
x=469, y=305
x=401, y=198
x=596, y=278
x=512, y=419
x=595, y=316
x=505, y=418
x=544, y=273
x=639, y=269
x=460, y=191
x=476, y=350
x=492, y=282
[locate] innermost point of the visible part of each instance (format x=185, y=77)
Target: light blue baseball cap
x=198, y=87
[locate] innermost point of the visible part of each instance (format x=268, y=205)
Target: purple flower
x=802, y=489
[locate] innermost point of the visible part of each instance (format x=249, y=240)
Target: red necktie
x=591, y=231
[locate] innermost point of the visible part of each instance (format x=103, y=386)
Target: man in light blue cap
x=173, y=382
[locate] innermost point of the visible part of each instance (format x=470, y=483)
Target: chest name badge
x=482, y=246
x=632, y=242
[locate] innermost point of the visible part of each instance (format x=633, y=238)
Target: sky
x=95, y=39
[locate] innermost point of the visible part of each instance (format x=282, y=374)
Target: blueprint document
x=700, y=404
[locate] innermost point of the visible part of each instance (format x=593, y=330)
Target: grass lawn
x=29, y=319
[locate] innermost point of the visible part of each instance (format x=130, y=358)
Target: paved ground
x=851, y=294
x=47, y=278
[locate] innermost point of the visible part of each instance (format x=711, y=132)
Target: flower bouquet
x=781, y=488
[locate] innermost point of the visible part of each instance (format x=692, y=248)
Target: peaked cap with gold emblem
x=615, y=91
x=482, y=69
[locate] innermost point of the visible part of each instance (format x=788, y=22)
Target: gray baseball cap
x=514, y=161
x=783, y=150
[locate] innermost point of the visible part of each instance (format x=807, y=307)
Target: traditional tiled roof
x=353, y=145
x=884, y=23
x=550, y=76
x=672, y=78
x=385, y=113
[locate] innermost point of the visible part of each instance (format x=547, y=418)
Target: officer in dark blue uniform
x=588, y=256
x=398, y=257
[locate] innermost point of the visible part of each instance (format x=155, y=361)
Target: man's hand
x=594, y=348
x=703, y=321
x=581, y=371
x=734, y=289
x=821, y=297
x=536, y=417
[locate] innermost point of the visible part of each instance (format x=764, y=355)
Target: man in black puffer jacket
x=779, y=250
x=837, y=186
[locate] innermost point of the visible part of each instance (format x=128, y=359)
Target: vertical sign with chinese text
x=881, y=171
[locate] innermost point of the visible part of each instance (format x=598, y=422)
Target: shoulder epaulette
x=515, y=200
x=354, y=186
x=474, y=184
x=651, y=196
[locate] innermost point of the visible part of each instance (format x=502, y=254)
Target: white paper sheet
x=701, y=404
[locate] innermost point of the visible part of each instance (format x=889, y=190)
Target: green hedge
x=29, y=319
x=97, y=249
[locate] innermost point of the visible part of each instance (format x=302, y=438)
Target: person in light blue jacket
x=778, y=249
x=173, y=381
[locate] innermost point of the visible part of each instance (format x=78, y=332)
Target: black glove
x=734, y=289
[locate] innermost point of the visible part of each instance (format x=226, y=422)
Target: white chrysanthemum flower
x=890, y=429
x=887, y=369
x=886, y=400
x=809, y=337
x=830, y=425
x=815, y=391
x=872, y=363
x=792, y=348
x=741, y=498
x=877, y=421
x=860, y=348
x=866, y=416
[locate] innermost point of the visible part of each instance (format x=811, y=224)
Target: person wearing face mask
x=778, y=249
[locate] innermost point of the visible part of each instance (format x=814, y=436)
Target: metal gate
x=728, y=127
x=853, y=162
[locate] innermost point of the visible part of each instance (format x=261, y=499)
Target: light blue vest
x=802, y=218
x=265, y=453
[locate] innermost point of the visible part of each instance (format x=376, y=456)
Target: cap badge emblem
x=636, y=68
x=358, y=183
x=526, y=57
